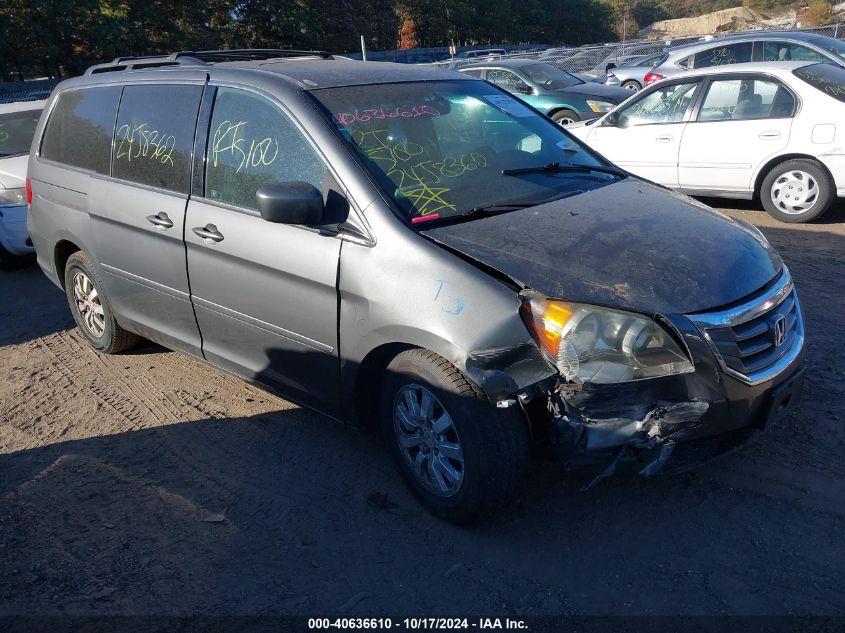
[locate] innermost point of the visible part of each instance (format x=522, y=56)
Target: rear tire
x=465, y=459
x=90, y=307
x=565, y=117
x=797, y=191
x=632, y=84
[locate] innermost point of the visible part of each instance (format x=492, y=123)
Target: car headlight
x=600, y=345
x=600, y=106
x=12, y=197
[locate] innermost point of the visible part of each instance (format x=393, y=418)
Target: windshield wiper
x=493, y=209
x=563, y=167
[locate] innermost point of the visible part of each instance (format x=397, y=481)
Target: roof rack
x=201, y=58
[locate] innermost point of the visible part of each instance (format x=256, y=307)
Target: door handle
x=161, y=221
x=772, y=134
x=209, y=233
x=664, y=139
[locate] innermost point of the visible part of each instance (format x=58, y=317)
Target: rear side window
x=721, y=55
x=16, y=132
x=80, y=128
x=744, y=99
x=252, y=143
x=828, y=78
x=155, y=135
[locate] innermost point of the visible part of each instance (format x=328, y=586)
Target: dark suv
x=415, y=249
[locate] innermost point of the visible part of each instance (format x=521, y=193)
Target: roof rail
x=200, y=58
x=143, y=61
x=249, y=54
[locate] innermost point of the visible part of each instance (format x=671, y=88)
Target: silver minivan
x=414, y=249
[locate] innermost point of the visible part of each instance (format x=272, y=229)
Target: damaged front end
x=646, y=435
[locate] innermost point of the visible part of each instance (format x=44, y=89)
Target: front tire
x=90, y=307
x=797, y=191
x=565, y=117
x=462, y=457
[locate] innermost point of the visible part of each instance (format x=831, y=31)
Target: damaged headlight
x=600, y=345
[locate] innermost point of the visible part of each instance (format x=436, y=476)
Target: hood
x=599, y=91
x=13, y=171
x=631, y=245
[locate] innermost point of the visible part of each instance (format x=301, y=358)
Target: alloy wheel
x=428, y=440
x=88, y=304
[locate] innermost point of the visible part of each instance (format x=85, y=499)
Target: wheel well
x=368, y=380
x=560, y=109
x=64, y=249
x=774, y=162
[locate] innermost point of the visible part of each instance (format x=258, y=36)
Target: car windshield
x=439, y=149
x=550, y=77
x=837, y=47
x=16, y=132
x=828, y=78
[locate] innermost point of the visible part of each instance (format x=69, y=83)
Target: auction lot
x=150, y=483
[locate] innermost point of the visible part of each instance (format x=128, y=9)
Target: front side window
x=439, y=149
x=80, y=129
x=16, y=132
x=721, y=55
x=786, y=52
x=154, y=137
x=252, y=143
x=507, y=80
x=827, y=78
x=475, y=72
x=743, y=99
x=666, y=105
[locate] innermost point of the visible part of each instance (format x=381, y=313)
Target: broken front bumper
x=678, y=422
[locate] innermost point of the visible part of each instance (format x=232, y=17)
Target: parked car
x=766, y=46
x=560, y=95
x=17, y=126
x=631, y=74
x=479, y=53
x=768, y=130
x=418, y=250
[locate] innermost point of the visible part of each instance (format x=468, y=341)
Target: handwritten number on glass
x=139, y=141
x=229, y=139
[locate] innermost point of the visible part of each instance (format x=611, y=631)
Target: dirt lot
x=149, y=483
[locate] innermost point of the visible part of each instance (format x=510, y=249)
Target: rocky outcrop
x=738, y=18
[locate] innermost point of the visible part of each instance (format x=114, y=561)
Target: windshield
x=438, y=148
x=16, y=132
x=829, y=44
x=828, y=78
x=550, y=77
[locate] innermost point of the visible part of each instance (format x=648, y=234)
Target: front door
x=265, y=294
x=138, y=214
x=645, y=136
x=742, y=123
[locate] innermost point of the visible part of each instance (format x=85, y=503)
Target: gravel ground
x=150, y=483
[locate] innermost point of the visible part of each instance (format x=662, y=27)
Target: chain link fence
x=14, y=91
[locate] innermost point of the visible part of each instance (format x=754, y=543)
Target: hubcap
x=88, y=304
x=795, y=192
x=565, y=121
x=428, y=440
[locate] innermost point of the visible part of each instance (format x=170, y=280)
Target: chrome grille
x=757, y=340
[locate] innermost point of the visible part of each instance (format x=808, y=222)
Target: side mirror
x=524, y=89
x=291, y=203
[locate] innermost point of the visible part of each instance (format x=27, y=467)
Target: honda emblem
x=780, y=331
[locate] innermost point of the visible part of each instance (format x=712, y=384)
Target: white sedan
x=17, y=127
x=776, y=131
